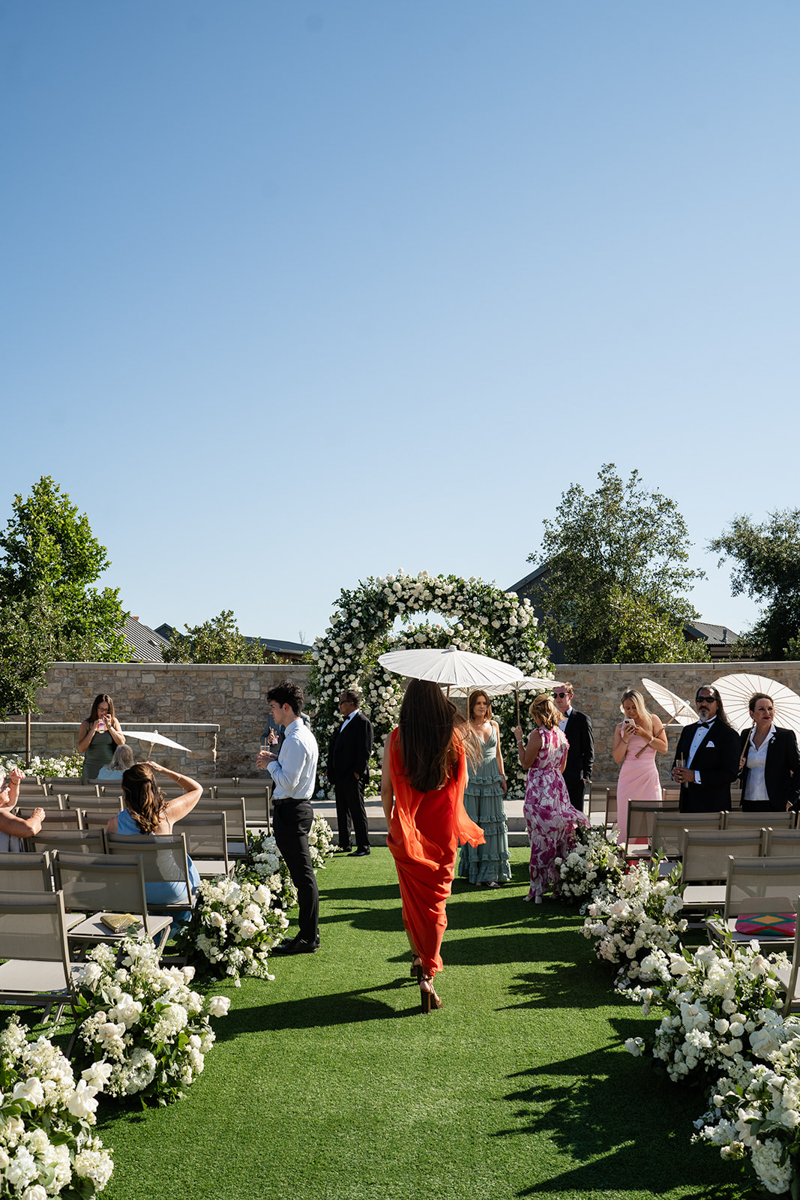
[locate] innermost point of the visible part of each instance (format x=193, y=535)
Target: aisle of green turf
x=329, y=1083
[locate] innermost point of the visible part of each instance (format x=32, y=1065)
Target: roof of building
x=714, y=635
x=273, y=645
x=147, y=643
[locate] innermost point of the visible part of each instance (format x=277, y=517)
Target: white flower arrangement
x=320, y=842
x=595, y=861
x=481, y=617
x=148, y=1031
x=719, y=1002
x=755, y=1109
x=634, y=916
x=264, y=864
x=233, y=927
x=69, y=767
x=46, y=1139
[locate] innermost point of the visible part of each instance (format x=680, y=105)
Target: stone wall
x=599, y=688
x=229, y=698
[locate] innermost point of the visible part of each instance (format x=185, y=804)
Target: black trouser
x=350, y=803
x=575, y=787
x=290, y=824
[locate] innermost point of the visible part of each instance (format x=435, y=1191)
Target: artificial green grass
x=329, y=1083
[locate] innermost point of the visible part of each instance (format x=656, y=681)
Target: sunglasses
x=561, y=695
x=706, y=699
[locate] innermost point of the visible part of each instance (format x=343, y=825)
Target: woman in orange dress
x=422, y=790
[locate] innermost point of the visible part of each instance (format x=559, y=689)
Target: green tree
x=767, y=568
x=48, y=610
x=216, y=641
x=614, y=590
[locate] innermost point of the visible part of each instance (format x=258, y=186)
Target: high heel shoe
x=427, y=996
x=416, y=968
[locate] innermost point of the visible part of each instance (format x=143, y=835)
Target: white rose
x=82, y=1102
x=30, y=1090
x=218, y=1006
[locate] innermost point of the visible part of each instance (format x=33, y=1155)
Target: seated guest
x=769, y=764
x=147, y=812
x=12, y=828
x=122, y=761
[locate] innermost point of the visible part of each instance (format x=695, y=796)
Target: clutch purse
x=767, y=925
x=119, y=922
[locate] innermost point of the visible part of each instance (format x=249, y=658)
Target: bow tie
x=704, y=724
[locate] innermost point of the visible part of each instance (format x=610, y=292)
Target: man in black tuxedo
x=577, y=729
x=348, y=771
x=709, y=750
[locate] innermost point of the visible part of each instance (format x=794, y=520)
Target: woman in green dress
x=98, y=737
x=483, y=799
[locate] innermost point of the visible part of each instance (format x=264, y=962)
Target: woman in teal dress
x=483, y=799
x=98, y=737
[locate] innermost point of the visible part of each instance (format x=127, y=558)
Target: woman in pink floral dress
x=550, y=817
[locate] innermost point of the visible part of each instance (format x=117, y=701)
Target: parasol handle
x=517, y=690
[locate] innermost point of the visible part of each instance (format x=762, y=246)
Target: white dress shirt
x=347, y=719
x=562, y=724
x=756, y=790
x=295, y=772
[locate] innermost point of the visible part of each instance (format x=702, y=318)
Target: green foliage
x=767, y=568
x=49, y=611
x=216, y=641
x=617, y=574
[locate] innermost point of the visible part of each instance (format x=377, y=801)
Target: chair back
x=236, y=818
x=777, y=820
x=206, y=837
x=669, y=826
x=671, y=797
x=641, y=819
x=707, y=852
x=757, y=885
x=25, y=873
x=56, y=818
x=78, y=841
x=101, y=883
x=611, y=807
x=597, y=798
x=782, y=842
x=30, y=800
x=91, y=801
x=166, y=869
x=97, y=818
x=34, y=928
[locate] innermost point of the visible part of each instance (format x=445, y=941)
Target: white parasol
x=451, y=667
x=736, y=690
x=155, y=739
x=679, y=711
x=460, y=671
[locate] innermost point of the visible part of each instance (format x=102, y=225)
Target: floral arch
x=482, y=618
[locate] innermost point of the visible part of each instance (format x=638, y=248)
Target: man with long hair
x=707, y=757
x=294, y=771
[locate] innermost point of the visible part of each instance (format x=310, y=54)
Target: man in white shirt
x=294, y=772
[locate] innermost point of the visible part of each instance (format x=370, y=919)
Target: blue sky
x=298, y=293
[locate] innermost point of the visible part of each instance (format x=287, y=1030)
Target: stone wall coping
x=287, y=668
x=147, y=726
x=729, y=667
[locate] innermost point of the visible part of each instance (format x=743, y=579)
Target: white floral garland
x=484, y=619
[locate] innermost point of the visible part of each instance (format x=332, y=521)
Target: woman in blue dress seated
x=122, y=761
x=146, y=812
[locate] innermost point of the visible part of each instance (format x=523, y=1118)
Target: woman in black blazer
x=769, y=766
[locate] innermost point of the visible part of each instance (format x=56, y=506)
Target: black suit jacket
x=781, y=769
x=349, y=749
x=717, y=760
x=578, y=732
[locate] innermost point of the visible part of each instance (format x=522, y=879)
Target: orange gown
x=424, y=832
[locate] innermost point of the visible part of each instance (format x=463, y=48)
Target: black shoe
x=361, y=852
x=297, y=945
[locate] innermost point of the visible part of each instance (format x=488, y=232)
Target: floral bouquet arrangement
x=595, y=861
x=143, y=1024
x=755, y=1111
x=233, y=927
x=46, y=768
x=634, y=916
x=265, y=865
x=46, y=1139
x=720, y=1006
x=320, y=842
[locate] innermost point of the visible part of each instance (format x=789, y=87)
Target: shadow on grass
x=351, y=1007
x=608, y=1114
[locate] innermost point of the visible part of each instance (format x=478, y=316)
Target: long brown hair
x=142, y=796
x=427, y=736
x=544, y=712
x=98, y=700
x=474, y=697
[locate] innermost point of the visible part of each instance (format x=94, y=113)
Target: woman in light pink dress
x=549, y=815
x=637, y=740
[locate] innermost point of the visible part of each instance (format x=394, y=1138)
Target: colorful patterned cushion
x=769, y=924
